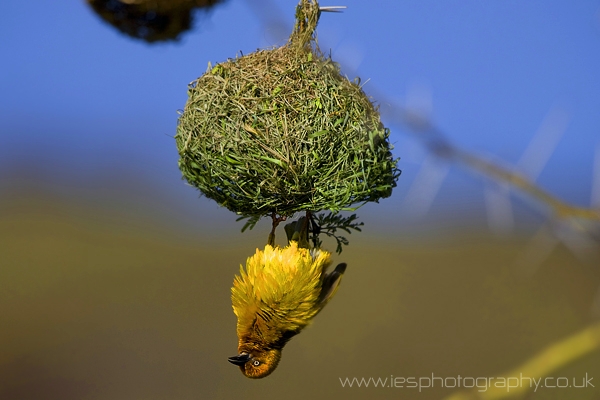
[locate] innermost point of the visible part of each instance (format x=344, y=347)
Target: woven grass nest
x=282, y=131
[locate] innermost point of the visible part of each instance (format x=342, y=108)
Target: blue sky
x=81, y=103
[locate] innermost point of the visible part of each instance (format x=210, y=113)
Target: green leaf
x=232, y=160
x=317, y=134
x=274, y=161
x=252, y=220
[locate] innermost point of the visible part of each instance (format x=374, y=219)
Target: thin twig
x=435, y=141
x=537, y=367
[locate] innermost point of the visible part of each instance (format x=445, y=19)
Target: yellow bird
x=274, y=298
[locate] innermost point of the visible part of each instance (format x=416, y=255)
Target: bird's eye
x=256, y=363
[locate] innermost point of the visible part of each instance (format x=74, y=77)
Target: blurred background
x=115, y=275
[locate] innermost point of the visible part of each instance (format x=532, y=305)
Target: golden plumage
x=274, y=298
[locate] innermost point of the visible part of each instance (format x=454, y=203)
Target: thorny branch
x=439, y=146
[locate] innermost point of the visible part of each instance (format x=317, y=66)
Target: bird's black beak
x=240, y=359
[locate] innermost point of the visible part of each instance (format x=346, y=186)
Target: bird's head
x=257, y=363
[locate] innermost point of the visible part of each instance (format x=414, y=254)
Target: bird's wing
x=330, y=283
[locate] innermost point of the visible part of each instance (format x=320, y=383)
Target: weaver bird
x=274, y=298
